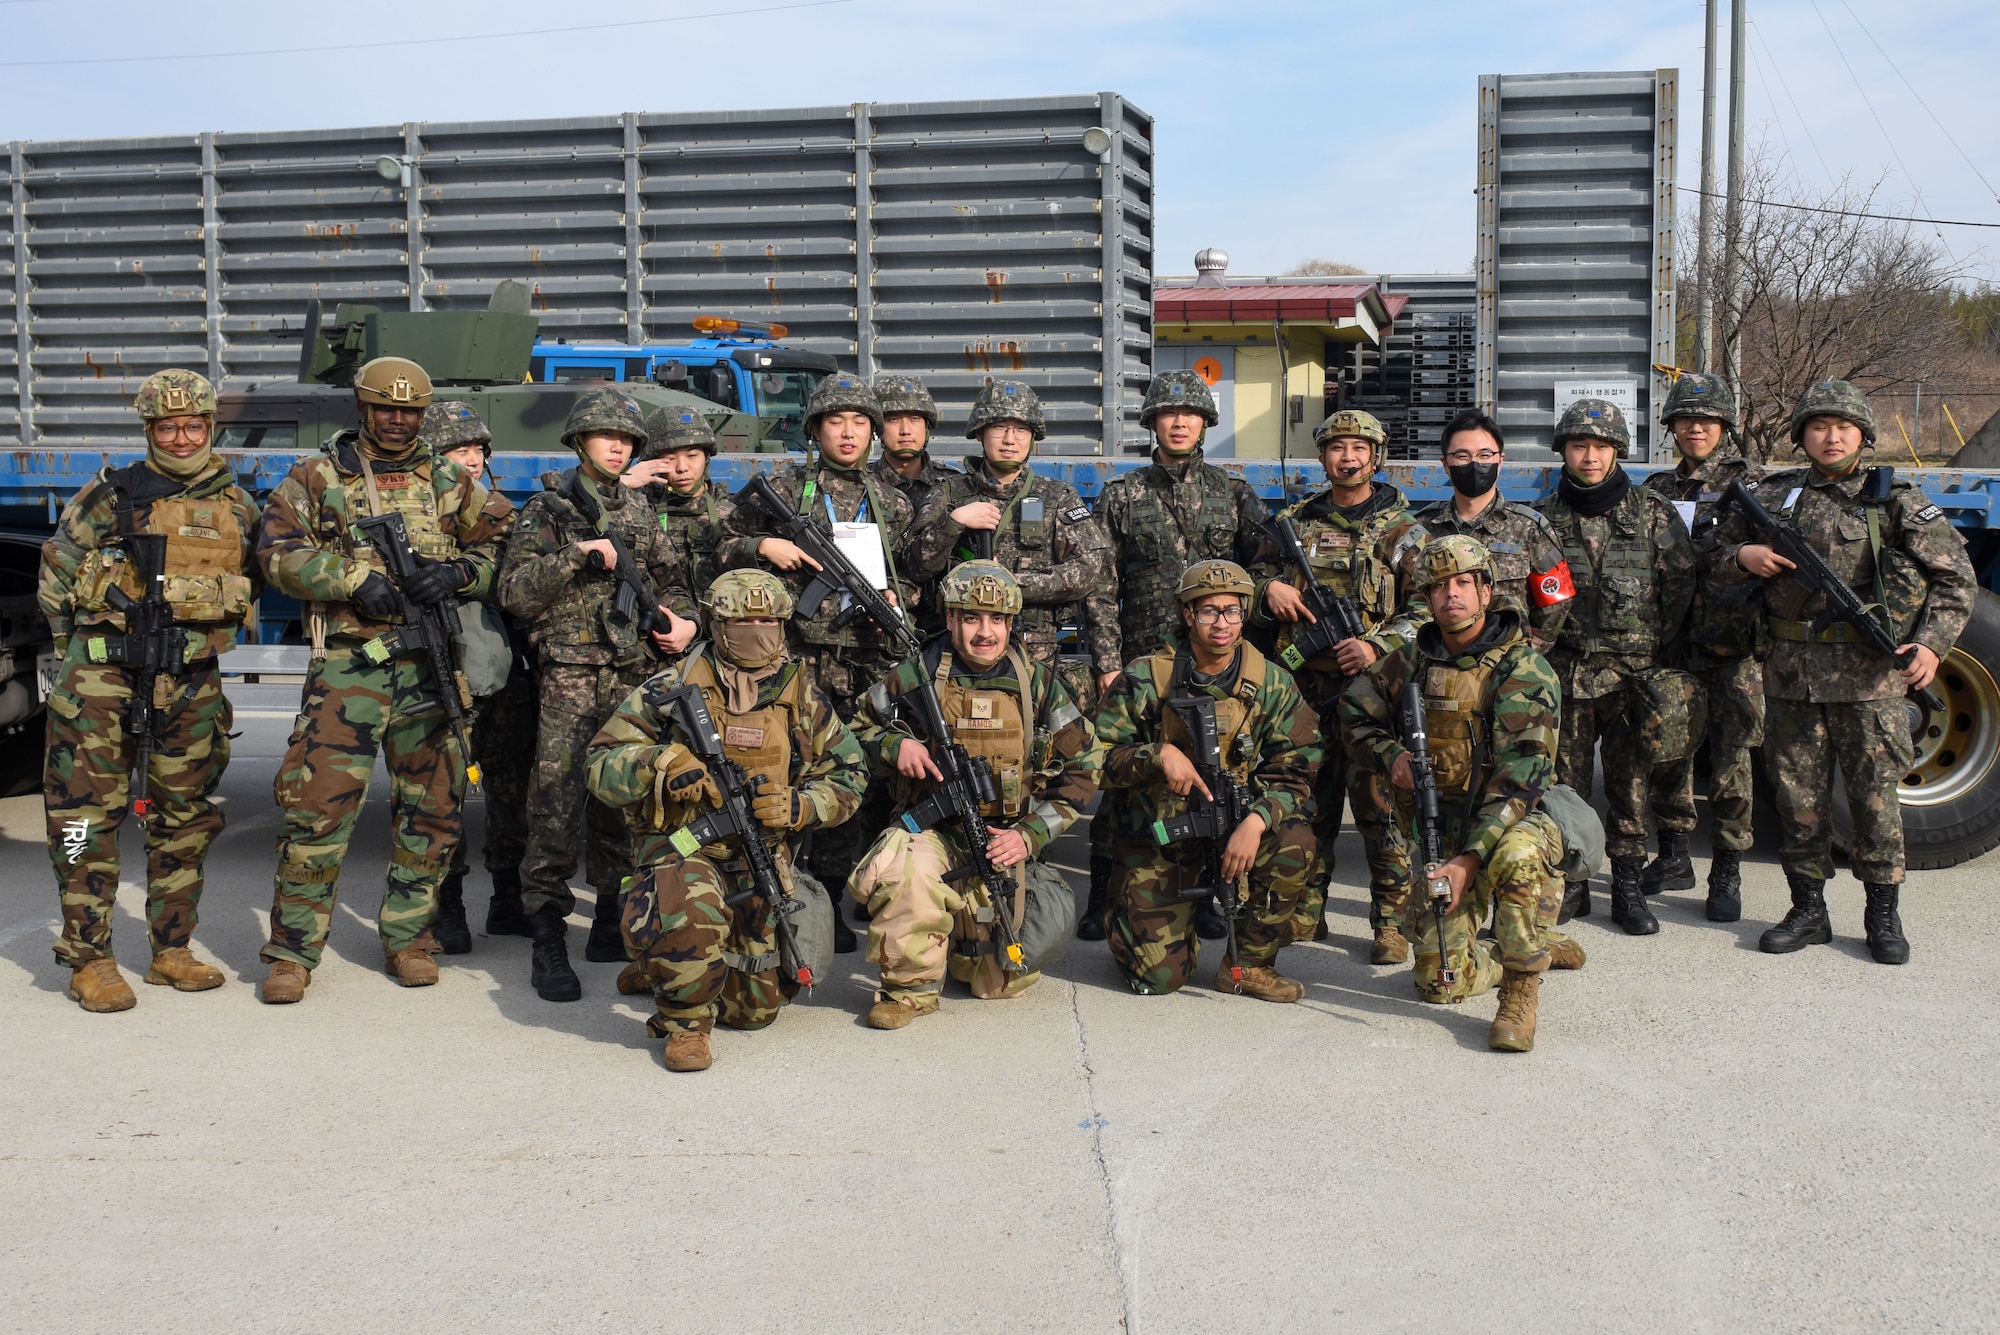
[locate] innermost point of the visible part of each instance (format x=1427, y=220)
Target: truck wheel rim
x=1957, y=749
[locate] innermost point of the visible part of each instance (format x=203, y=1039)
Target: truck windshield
x=781, y=403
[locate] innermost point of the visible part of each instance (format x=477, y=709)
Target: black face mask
x=1473, y=479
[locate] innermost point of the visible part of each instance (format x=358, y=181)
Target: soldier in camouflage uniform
x=1362, y=542
x=1722, y=647
x=183, y=492
x=1009, y=708
x=364, y=692
x=909, y=415
x=560, y=581
x=1833, y=699
x=1268, y=741
x=1491, y=714
x=1160, y=520
x=700, y=957
x=673, y=468
x=1634, y=572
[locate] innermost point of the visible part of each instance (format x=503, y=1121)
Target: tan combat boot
x=1389, y=947
x=895, y=1012
x=688, y=1051
x=98, y=986
x=1565, y=953
x=632, y=980
x=1514, y=1027
x=286, y=983
x=178, y=967
x=412, y=966
x=1260, y=981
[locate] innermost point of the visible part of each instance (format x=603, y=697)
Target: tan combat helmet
x=1360, y=425
x=748, y=593
x=1453, y=554
x=392, y=382
x=1210, y=577
x=982, y=586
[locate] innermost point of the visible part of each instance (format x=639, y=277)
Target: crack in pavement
x=1096, y=1123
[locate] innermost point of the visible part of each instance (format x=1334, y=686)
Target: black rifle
x=425, y=630
x=1811, y=572
x=1338, y=619
x=686, y=707
x=1430, y=841
x=809, y=532
x=153, y=645
x=1210, y=819
x=636, y=604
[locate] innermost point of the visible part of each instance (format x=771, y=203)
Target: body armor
x=1617, y=607
x=1457, y=703
x=992, y=724
x=766, y=742
x=584, y=616
x=1232, y=716
x=205, y=579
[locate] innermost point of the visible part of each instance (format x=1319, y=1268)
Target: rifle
x=153, y=644
x=424, y=630
x=1338, y=619
x=636, y=604
x=1209, y=819
x=1430, y=841
x=685, y=706
x=811, y=535
x=1811, y=572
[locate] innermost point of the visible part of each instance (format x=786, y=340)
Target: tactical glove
x=434, y=581
x=782, y=809
x=684, y=778
x=377, y=598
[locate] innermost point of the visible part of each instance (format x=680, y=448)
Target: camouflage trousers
x=834, y=851
x=703, y=957
x=1870, y=741
x=1631, y=780
x=351, y=710
x=1383, y=847
x=916, y=918
x=86, y=780
x=1521, y=884
x=1151, y=928
x=503, y=741
x=1735, y=694
x=576, y=700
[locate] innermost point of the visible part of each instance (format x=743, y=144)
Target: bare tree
x=1323, y=269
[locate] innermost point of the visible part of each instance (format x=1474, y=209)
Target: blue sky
x=1285, y=130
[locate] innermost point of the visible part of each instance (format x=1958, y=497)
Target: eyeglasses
x=195, y=430
x=1229, y=616
x=1483, y=457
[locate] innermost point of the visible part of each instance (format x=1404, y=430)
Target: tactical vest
x=817, y=630
x=583, y=615
x=1346, y=556
x=765, y=742
x=993, y=724
x=1457, y=702
x=205, y=580
x=1158, y=548
x=410, y=492
x=1617, y=608
x=1232, y=716
x=1895, y=584
x=1026, y=547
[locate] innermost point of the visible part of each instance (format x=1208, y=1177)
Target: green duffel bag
x=1669, y=712
x=1582, y=831
x=482, y=650
x=812, y=924
x=1048, y=920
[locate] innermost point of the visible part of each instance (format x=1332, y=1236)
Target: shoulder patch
x=1076, y=514
x=1926, y=515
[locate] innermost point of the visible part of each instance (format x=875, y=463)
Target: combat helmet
x=174, y=394
x=842, y=393
x=748, y=593
x=1209, y=577
x=1351, y=422
x=1453, y=554
x=1005, y=401
x=982, y=586
x=1598, y=419
x=1178, y=389
x=1697, y=395
x=901, y=394
x=1834, y=398
x=392, y=382
x=610, y=411
x=448, y=425
x=682, y=428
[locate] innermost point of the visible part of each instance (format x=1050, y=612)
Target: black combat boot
x=1806, y=924
x=503, y=913
x=448, y=928
x=1671, y=870
x=1576, y=901
x=1628, y=902
x=550, y=972
x=607, y=942
x=1725, y=886
x=844, y=941
x=1885, y=925
x=1090, y=927
x=1208, y=923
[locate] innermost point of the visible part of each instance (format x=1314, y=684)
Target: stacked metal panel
x=1425, y=369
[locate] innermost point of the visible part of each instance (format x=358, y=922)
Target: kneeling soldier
x=701, y=930
x=1265, y=748
x=1492, y=713
x=1014, y=714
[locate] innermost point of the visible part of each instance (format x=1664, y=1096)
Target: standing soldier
x=183, y=501
x=1491, y=706
x=701, y=956
x=1634, y=572
x=562, y=581
x=1361, y=541
x=1011, y=710
x=1833, y=699
x=680, y=445
x=1267, y=741
x=1160, y=521
x=366, y=693
x=909, y=415
x=1722, y=648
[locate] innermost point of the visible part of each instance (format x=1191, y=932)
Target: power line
x=1920, y=100
x=420, y=41
x=1779, y=69
x=1846, y=213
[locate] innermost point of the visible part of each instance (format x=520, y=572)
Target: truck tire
x=1951, y=798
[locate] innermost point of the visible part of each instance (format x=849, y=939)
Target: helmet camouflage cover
x=175, y=394
x=608, y=411
x=1208, y=577
x=393, y=382
x=1696, y=395
x=1005, y=401
x=982, y=586
x=1834, y=398
x=1598, y=419
x=901, y=395
x=678, y=429
x=449, y=425
x=749, y=593
x=1351, y=422
x=1453, y=554
x=1178, y=389
x=842, y=393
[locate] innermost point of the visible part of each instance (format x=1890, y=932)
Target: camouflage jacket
x=86, y=527
x=1522, y=544
x=1283, y=730
x=1723, y=622
x=310, y=549
x=692, y=522
x=1063, y=560
x=1061, y=776
x=1521, y=713
x=1161, y=519
x=1635, y=573
x=1924, y=580
x=924, y=492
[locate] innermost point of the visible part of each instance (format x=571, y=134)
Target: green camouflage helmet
x=1834, y=398
x=1453, y=554
x=175, y=394
x=748, y=593
x=1697, y=395
x=606, y=411
x=678, y=428
x=1178, y=389
x=982, y=586
x=1351, y=422
x=1208, y=577
x=842, y=393
x=1005, y=401
x=1598, y=419
x=902, y=395
x=448, y=425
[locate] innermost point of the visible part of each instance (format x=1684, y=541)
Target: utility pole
x=1732, y=222
x=1704, y=319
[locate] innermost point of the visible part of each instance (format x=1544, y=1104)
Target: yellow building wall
x=1257, y=387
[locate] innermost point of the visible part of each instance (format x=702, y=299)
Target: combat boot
x=607, y=940
x=1565, y=953
x=1389, y=947
x=632, y=981
x=412, y=966
x=1672, y=869
x=449, y=928
x=1725, y=886
x=549, y=970
x=1514, y=1025
x=1628, y=902
x=96, y=985
x=1090, y=927
x=844, y=940
x=1576, y=901
x=504, y=915
x=1885, y=924
x=286, y=983
x=1208, y=923
x=1806, y=925
x=176, y=966
x=896, y=1012
x=1260, y=981
x=688, y=1051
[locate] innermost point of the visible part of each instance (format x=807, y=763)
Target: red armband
x=1546, y=588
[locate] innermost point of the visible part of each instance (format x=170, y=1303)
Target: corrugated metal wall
x=1575, y=256
x=954, y=240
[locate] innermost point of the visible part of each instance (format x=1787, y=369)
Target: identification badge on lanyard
x=862, y=545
